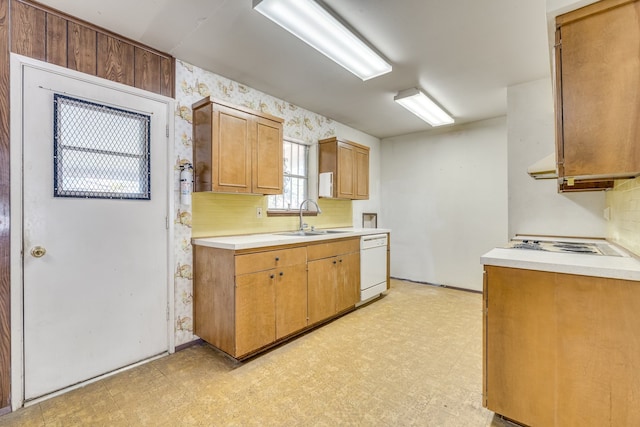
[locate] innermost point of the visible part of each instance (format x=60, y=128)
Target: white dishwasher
x=373, y=265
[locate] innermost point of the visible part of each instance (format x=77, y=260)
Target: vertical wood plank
x=147, y=70
x=167, y=82
x=81, y=48
x=28, y=30
x=5, y=254
x=116, y=60
x=56, y=40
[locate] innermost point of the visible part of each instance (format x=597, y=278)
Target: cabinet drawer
x=272, y=259
x=329, y=249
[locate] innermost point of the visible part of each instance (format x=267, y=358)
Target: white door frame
x=18, y=63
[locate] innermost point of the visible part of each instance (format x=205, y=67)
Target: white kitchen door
x=95, y=269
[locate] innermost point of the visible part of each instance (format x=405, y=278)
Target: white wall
x=535, y=206
x=444, y=196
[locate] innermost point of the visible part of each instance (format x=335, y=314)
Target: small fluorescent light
x=314, y=25
x=422, y=106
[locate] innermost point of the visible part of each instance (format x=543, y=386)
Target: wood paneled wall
x=36, y=31
x=49, y=35
x=5, y=246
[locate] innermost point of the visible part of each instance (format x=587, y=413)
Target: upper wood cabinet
x=598, y=94
x=349, y=163
x=236, y=150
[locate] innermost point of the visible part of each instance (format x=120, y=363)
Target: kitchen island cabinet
x=561, y=349
x=236, y=150
x=597, y=86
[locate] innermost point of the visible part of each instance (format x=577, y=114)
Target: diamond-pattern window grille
x=100, y=151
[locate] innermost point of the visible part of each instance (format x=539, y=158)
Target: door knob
x=38, y=251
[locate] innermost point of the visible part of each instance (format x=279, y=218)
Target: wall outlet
x=258, y=212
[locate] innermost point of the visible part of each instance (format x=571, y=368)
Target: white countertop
x=624, y=267
x=252, y=241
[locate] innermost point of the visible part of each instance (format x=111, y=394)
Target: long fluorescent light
x=314, y=25
x=422, y=106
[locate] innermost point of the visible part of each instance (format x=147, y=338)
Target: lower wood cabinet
x=245, y=301
x=561, y=349
x=333, y=278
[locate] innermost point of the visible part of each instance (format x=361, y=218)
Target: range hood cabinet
x=544, y=168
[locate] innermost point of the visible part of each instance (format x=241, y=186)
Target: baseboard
x=473, y=291
x=6, y=410
x=189, y=344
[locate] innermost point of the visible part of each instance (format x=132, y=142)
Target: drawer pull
x=282, y=273
x=277, y=258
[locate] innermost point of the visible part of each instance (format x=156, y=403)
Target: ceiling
x=465, y=53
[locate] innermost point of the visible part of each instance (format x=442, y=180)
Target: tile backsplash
x=624, y=210
x=216, y=214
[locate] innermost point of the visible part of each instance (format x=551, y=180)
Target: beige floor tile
x=413, y=358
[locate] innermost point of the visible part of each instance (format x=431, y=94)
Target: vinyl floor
x=412, y=358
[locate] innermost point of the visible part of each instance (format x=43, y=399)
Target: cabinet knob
x=335, y=262
x=272, y=276
x=340, y=260
x=282, y=273
x=277, y=258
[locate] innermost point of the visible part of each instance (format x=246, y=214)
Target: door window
x=100, y=151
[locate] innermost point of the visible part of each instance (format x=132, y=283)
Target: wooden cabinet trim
x=592, y=9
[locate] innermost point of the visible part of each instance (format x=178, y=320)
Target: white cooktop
x=622, y=266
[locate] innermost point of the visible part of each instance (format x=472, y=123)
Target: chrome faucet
x=302, y=225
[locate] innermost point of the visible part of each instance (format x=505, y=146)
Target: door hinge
x=167, y=131
x=166, y=221
x=167, y=313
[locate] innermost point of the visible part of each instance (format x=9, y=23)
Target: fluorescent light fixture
x=314, y=25
x=422, y=106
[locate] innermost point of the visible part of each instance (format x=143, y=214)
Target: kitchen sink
x=311, y=232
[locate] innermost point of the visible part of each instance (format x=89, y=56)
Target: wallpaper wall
x=192, y=84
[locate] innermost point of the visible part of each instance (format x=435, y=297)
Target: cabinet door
x=255, y=311
x=267, y=157
x=520, y=340
x=346, y=171
x=321, y=285
x=348, y=281
x=599, y=80
x=232, y=135
x=362, y=173
x=291, y=300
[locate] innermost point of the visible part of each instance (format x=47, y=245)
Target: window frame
x=310, y=177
